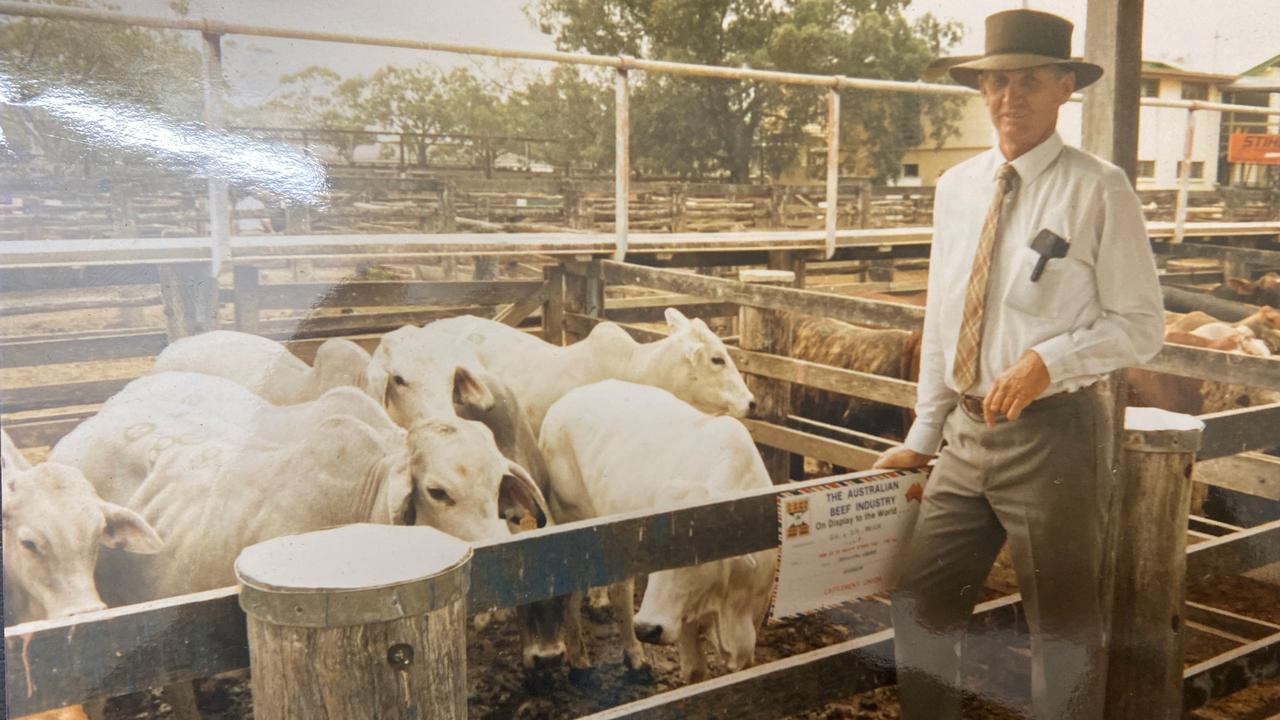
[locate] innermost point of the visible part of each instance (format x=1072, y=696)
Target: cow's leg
x=181, y=696
x=693, y=661
x=623, y=596
x=598, y=603
x=575, y=648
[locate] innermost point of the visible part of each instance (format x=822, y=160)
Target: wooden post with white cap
x=357, y=621
x=1144, y=661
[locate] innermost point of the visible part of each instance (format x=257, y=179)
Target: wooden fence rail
x=53, y=663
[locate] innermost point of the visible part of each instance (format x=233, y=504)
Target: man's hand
x=901, y=458
x=1016, y=387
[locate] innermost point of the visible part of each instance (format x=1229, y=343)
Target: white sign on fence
x=840, y=541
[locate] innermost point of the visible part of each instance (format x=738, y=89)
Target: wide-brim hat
x=1017, y=40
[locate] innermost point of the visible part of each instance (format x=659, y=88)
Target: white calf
x=615, y=447
x=691, y=363
x=54, y=525
x=265, y=366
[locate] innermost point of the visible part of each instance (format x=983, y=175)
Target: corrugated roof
x=1262, y=66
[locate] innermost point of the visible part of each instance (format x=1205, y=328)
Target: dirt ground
x=498, y=689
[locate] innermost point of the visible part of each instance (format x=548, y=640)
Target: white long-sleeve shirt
x=1096, y=310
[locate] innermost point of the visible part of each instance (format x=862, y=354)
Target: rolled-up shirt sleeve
x=934, y=398
x=1130, y=328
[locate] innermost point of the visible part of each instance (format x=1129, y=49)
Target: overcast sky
x=1235, y=36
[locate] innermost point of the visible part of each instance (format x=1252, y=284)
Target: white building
x=1161, y=133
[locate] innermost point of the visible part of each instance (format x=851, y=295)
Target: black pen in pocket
x=1049, y=245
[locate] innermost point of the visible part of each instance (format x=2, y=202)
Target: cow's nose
x=648, y=632
x=751, y=406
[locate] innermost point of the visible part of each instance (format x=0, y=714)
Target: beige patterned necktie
x=965, y=372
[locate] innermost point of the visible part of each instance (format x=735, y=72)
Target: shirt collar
x=1033, y=162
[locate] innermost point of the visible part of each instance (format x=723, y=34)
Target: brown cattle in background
x=1263, y=291
x=888, y=352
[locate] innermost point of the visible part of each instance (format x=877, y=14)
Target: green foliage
x=572, y=108
x=152, y=69
x=695, y=126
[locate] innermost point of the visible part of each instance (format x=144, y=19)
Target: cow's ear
x=469, y=391
x=519, y=496
x=376, y=381
x=126, y=530
x=676, y=319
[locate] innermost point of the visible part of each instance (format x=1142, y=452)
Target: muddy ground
x=498, y=689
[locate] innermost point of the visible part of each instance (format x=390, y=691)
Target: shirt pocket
x=1064, y=288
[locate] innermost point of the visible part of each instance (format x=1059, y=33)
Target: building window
x=911, y=170
x=1150, y=87
x=1146, y=168
x=1197, y=169
x=1195, y=91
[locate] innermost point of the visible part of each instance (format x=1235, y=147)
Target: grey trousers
x=1043, y=482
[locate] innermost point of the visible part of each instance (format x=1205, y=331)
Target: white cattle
x=116, y=448
x=54, y=525
x=615, y=447
x=265, y=366
x=417, y=375
x=221, y=469
x=421, y=375
x=691, y=363
x=459, y=472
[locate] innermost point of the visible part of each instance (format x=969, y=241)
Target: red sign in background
x=1254, y=148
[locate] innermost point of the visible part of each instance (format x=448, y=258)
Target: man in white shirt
x=1041, y=281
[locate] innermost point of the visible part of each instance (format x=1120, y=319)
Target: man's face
x=1024, y=103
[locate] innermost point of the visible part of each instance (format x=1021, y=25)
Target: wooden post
x=448, y=213
x=1144, y=663
x=622, y=164
x=486, y=268
x=219, y=201
x=833, y=170
x=864, y=204
x=1113, y=39
x=1184, y=180
x=297, y=220
x=1233, y=264
x=358, y=621
x=553, y=308
x=246, y=299
x=122, y=222
x=190, y=296
x=583, y=292
x=768, y=331
x=678, y=202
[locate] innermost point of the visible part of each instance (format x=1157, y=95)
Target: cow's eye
x=30, y=546
x=399, y=380
x=717, y=360
x=439, y=495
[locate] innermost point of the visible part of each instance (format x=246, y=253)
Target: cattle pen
x=556, y=285
x=53, y=663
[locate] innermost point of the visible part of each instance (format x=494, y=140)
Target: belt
x=972, y=404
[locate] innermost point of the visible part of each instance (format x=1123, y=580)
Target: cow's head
x=416, y=379
x=54, y=525
x=700, y=371
x=462, y=484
